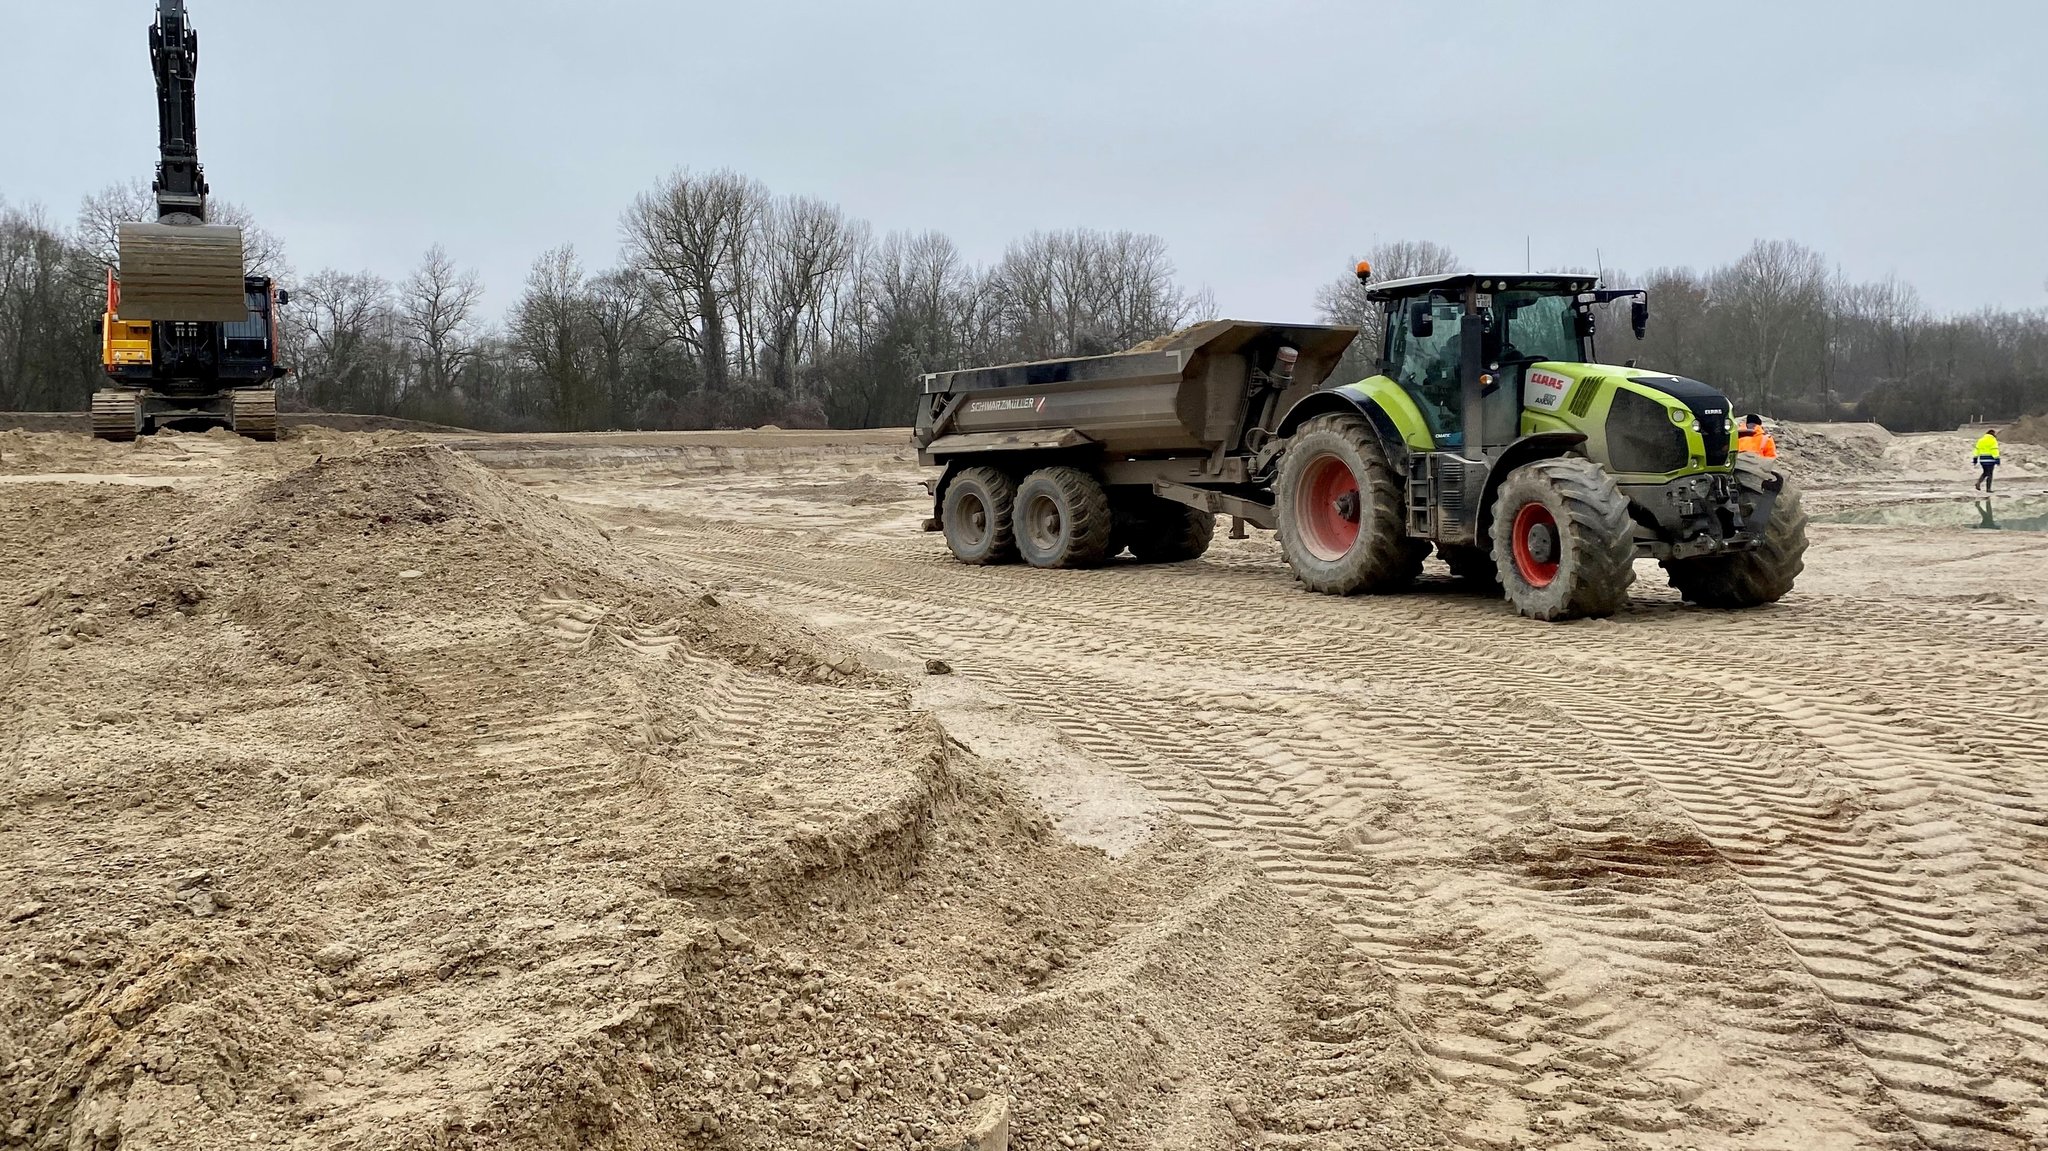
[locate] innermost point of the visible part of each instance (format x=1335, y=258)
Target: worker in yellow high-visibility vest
x=1986, y=457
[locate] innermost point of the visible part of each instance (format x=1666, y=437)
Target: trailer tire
x=1062, y=519
x=976, y=517
x=1563, y=541
x=1470, y=565
x=1763, y=574
x=1342, y=523
x=1160, y=531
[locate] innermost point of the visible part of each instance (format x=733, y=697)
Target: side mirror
x=1639, y=315
x=284, y=298
x=1421, y=323
x=1583, y=324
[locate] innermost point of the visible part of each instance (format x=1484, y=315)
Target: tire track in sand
x=1545, y=1055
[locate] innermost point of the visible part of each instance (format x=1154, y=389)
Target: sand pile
x=2031, y=430
x=386, y=804
x=1832, y=453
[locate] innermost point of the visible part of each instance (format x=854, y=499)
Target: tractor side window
x=1428, y=368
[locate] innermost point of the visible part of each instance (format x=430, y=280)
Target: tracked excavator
x=188, y=338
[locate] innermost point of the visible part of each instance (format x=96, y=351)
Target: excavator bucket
x=182, y=272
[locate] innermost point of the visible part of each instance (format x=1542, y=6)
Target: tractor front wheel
x=1341, y=520
x=1762, y=574
x=1563, y=542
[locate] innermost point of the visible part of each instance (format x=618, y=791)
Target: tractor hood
x=1571, y=390
x=1549, y=387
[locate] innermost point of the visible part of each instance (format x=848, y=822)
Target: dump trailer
x=1068, y=463
x=1490, y=434
x=187, y=335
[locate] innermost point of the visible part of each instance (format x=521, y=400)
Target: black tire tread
x=1165, y=532
x=1000, y=492
x=1396, y=563
x=1762, y=575
x=1472, y=565
x=1085, y=505
x=1596, y=529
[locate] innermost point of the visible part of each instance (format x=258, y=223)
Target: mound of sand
x=387, y=804
x=2031, y=430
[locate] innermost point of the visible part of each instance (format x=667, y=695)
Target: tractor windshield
x=1532, y=326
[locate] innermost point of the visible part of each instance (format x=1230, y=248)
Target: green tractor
x=1492, y=435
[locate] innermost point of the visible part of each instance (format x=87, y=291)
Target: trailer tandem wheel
x=976, y=517
x=1062, y=519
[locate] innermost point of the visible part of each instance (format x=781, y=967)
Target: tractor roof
x=1459, y=281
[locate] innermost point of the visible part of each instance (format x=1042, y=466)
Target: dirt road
x=1678, y=879
x=358, y=797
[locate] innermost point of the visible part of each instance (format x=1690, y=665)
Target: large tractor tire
x=976, y=517
x=1342, y=525
x=1062, y=519
x=1563, y=542
x=1759, y=576
x=1472, y=566
x=1160, y=531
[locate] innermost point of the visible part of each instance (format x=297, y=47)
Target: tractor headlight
x=1680, y=415
x=1695, y=425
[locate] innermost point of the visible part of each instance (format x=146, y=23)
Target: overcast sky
x=1271, y=143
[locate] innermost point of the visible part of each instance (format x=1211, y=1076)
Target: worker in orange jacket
x=1754, y=439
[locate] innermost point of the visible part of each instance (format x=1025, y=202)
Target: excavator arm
x=180, y=268
x=180, y=179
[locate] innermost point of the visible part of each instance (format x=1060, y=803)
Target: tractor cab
x=1465, y=348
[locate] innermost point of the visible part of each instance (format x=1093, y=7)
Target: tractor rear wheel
x=1062, y=519
x=1763, y=574
x=1160, y=531
x=1343, y=528
x=976, y=517
x=1563, y=542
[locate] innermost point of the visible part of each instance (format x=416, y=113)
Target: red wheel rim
x=1329, y=508
x=1536, y=545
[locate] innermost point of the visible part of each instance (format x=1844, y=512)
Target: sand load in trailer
x=1184, y=394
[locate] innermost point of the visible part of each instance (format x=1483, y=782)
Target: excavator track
x=116, y=416
x=254, y=412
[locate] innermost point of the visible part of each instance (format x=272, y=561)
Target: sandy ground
x=676, y=791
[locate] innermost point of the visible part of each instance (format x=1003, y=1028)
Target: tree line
x=731, y=306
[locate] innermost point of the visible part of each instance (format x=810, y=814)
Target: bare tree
x=807, y=247
x=437, y=308
x=101, y=215
x=342, y=339
x=1343, y=300
x=688, y=236
x=553, y=333
x=1773, y=300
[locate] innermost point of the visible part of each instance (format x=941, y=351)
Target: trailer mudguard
x=1378, y=399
